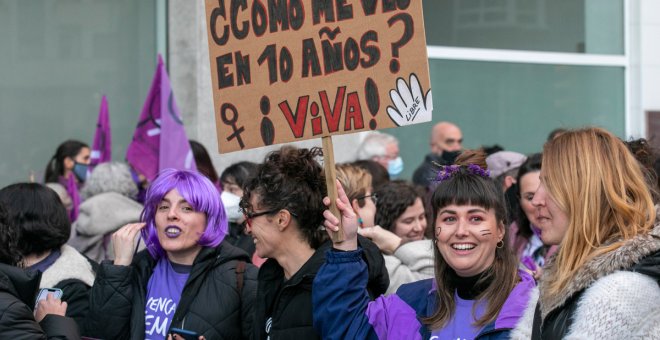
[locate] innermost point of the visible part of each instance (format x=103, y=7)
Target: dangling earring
x=360, y=222
x=500, y=244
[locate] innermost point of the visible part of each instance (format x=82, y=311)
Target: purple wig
x=199, y=192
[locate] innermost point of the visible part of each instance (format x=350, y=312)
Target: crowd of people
x=480, y=244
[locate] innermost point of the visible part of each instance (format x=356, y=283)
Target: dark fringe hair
x=465, y=188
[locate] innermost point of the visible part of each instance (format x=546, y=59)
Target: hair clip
x=479, y=171
x=447, y=171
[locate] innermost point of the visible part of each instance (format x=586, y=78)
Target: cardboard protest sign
x=289, y=70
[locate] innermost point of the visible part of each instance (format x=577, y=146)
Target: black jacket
x=216, y=311
x=284, y=308
x=18, y=291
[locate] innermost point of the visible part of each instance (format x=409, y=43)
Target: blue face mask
x=395, y=167
x=80, y=170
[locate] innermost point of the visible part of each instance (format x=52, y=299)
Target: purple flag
x=160, y=140
x=102, y=147
x=72, y=190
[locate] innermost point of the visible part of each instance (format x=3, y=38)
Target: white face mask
x=233, y=211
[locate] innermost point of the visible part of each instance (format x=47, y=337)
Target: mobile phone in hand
x=184, y=333
x=43, y=294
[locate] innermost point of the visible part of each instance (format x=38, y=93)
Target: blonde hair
x=355, y=180
x=598, y=183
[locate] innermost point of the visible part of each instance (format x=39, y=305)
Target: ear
x=283, y=219
x=355, y=205
x=501, y=231
x=508, y=182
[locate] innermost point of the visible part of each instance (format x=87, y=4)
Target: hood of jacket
x=625, y=257
x=20, y=283
x=105, y=213
x=70, y=265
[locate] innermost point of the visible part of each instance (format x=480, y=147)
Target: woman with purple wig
x=188, y=277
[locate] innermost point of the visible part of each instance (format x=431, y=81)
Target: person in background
x=477, y=291
x=233, y=179
x=109, y=202
x=283, y=205
x=66, y=171
x=647, y=158
x=524, y=235
x=594, y=202
x=399, y=231
x=384, y=149
x=43, y=228
x=379, y=175
x=503, y=166
x=555, y=133
x=204, y=163
x=71, y=157
x=186, y=278
x=445, y=143
x=18, y=293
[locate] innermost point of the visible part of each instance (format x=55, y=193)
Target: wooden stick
x=330, y=177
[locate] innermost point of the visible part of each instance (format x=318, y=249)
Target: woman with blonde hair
x=594, y=203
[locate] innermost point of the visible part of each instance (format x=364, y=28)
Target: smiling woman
x=188, y=277
x=476, y=293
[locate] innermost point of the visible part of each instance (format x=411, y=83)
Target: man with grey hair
x=445, y=143
x=383, y=149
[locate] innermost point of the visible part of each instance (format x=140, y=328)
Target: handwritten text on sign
x=288, y=70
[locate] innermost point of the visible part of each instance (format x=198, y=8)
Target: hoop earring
x=500, y=244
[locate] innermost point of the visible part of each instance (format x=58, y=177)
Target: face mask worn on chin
x=233, y=211
x=448, y=157
x=395, y=167
x=80, y=170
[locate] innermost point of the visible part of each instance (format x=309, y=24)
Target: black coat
x=216, y=311
x=18, y=291
x=288, y=304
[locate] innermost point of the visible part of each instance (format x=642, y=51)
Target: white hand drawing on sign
x=410, y=104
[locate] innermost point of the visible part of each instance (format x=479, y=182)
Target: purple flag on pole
x=160, y=140
x=72, y=190
x=102, y=147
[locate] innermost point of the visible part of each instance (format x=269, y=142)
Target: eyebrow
x=183, y=200
x=471, y=211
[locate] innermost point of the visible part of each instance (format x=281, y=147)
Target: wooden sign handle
x=330, y=177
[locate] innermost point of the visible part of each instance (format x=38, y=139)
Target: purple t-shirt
x=163, y=294
x=460, y=327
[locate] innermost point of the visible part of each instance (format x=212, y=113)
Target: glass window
x=57, y=59
x=572, y=26
x=515, y=105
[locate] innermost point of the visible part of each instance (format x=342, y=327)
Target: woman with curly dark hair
x=283, y=206
x=17, y=294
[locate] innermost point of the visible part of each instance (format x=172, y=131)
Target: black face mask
x=448, y=157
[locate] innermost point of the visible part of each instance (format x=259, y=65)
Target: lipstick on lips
x=172, y=231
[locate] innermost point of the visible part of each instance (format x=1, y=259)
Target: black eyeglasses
x=373, y=196
x=251, y=215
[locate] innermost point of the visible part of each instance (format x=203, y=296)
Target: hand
x=348, y=220
x=124, y=243
x=411, y=106
x=50, y=305
x=387, y=241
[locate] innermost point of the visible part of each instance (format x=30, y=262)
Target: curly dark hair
x=38, y=216
x=9, y=253
x=394, y=198
x=291, y=179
